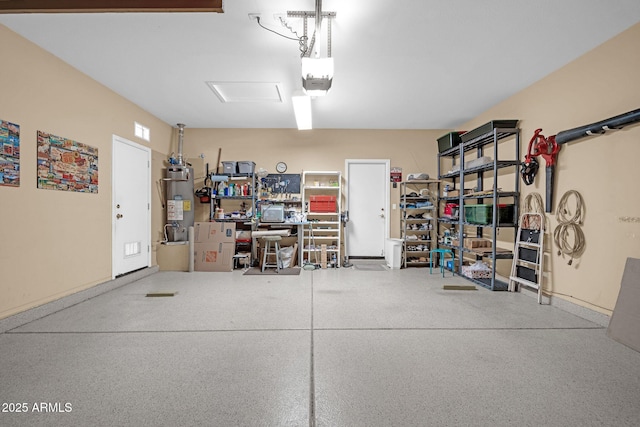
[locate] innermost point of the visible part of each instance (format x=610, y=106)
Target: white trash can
x=393, y=253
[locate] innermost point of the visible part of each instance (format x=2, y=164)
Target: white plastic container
x=393, y=253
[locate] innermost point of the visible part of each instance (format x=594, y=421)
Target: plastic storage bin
x=322, y=204
x=229, y=167
x=393, y=253
x=506, y=214
x=488, y=127
x=448, y=141
x=478, y=214
x=483, y=214
x=246, y=167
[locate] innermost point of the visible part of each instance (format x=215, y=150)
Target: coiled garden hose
x=568, y=235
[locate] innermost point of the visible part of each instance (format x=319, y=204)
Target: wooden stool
x=268, y=250
x=442, y=255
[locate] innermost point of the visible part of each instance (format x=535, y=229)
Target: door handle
x=119, y=216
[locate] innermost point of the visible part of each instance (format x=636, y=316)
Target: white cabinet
x=322, y=201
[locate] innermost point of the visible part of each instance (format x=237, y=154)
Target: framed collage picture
x=9, y=154
x=64, y=164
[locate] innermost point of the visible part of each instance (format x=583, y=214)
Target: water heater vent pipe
x=180, y=143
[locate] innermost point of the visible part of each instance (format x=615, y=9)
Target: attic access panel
x=84, y=6
x=229, y=92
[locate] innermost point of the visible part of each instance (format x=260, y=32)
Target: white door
x=368, y=206
x=131, y=244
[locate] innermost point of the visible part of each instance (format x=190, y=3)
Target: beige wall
x=56, y=243
x=601, y=84
x=412, y=150
x=604, y=169
x=53, y=242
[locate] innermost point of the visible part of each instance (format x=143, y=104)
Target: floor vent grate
x=161, y=294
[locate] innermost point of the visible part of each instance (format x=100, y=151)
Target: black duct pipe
x=617, y=122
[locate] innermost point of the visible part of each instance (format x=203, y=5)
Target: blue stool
x=442, y=255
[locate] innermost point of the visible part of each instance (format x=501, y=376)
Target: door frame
x=120, y=140
x=387, y=193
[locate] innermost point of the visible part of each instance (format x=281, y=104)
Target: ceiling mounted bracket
x=308, y=14
x=307, y=45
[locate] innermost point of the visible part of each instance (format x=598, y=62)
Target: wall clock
x=281, y=167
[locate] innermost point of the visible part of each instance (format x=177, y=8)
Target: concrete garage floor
x=345, y=347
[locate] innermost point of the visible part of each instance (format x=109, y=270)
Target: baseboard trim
x=24, y=317
x=570, y=307
x=580, y=311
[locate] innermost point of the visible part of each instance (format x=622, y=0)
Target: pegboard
x=282, y=183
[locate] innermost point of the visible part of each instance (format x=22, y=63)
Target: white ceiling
x=402, y=64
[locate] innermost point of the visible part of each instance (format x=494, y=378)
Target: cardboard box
x=214, y=232
x=215, y=245
x=473, y=243
x=456, y=193
x=487, y=251
x=323, y=256
x=173, y=257
x=214, y=256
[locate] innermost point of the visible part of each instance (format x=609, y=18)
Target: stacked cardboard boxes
x=472, y=243
x=214, y=246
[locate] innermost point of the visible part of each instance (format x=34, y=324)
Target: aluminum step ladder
x=528, y=254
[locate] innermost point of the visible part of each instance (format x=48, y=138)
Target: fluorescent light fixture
x=317, y=75
x=302, y=109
